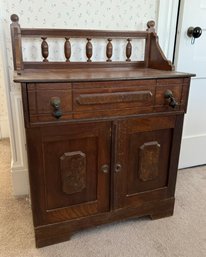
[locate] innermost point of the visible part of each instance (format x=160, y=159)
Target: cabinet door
x=146, y=159
x=69, y=170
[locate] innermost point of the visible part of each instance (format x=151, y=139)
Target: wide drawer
x=113, y=98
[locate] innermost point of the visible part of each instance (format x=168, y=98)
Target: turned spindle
x=89, y=50
x=109, y=50
x=128, y=50
x=67, y=49
x=44, y=49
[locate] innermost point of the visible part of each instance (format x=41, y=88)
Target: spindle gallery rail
x=153, y=57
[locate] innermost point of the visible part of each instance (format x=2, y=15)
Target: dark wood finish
x=79, y=65
x=149, y=159
x=59, y=232
x=109, y=98
x=82, y=33
x=87, y=144
x=128, y=50
x=109, y=50
x=16, y=43
x=103, y=140
x=39, y=101
x=67, y=49
x=157, y=59
x=154, y=57
x=87, y=74
x=73, y=171
x=44, y=49
x=89, y=49
x=151, y=26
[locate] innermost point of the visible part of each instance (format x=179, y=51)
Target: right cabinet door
x=146, y=159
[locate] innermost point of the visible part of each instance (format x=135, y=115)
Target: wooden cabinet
x=143, y=149
x=103, y=138
x=70, y=174
x=109, y=158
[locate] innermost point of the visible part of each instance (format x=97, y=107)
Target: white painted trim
x=4, y=127
x=193, y=136
x=166, y=25
x=6, y=82
x=20, y=181
x=188, y=147
x=196, y=78
x=177, y=49
x=19, y=170
x=19, y=167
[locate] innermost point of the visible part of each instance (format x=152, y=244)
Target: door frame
x=195, y=139
x=167, y=25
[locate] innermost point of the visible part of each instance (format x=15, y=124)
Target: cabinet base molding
x=60, y=232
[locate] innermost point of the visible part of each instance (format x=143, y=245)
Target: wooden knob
x=151, y=26
x=14, y=18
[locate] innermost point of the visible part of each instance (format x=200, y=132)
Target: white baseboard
x=20, y=181
x=193, y=151
x=19, y=167
x=4, y=127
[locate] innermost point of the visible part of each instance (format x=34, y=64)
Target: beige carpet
x=183, y=235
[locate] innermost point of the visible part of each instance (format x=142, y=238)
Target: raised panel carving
x=149, y=154
x=73, y=172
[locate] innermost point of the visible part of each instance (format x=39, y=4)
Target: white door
x=192, y=58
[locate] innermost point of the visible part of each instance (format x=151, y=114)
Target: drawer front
x=49, y=101
x=90, y=100
x=175, y=87
x=112, y=98
x=163, y=86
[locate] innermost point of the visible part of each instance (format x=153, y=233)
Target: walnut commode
x=103, y=138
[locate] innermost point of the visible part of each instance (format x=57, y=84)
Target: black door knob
x=194, y=33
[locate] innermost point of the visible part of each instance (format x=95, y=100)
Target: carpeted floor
x=183, y=235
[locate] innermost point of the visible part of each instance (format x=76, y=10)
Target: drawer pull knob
x=170, y=98
x=55, y=103
x=118, y=168
x=105, y=168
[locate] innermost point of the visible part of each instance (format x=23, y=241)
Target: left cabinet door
x=69, y=170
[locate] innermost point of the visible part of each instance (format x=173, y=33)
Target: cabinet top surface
x=99, y=74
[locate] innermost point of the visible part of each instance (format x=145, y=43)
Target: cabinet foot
x=45, y=241
x=156, y=216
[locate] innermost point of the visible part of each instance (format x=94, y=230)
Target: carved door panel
x=143, y=147
x=74, y=176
